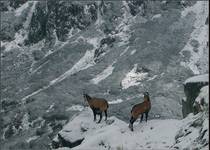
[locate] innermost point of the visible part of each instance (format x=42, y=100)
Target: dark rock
x=3, y=6
x=7, y=103
x=207, y=21
x=134, y=6
x=17, y=3
x=38, y=54
x=40, y=131
x=109, y=40
x=65, y=143
x=192, y=90
x=55, y=144
x=57, y=18
x=9, y=132
x=53, y=117
x=194, y=43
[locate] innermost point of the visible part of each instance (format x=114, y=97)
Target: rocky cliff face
x=52, y=51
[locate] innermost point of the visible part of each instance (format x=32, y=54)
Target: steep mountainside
x=53, y=51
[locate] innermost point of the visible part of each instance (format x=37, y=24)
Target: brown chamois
x=140, y=109
x=98, y=105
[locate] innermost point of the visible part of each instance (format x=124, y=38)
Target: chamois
x=140, y=109
x=98, y=105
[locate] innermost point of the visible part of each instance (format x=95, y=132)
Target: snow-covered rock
x=199, y=78
x=133, y=78
x=202, y=101
x=194, y=131
x=115, y=134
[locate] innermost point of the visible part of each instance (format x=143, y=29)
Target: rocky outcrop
x=194, y=132
x=192, y=88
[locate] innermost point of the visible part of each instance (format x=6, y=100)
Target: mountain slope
x=52, y=52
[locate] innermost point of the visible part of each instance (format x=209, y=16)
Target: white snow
x=198, y=78
x=31, y=139
x=75, y=108
x=133, y=52
x=94, y=41
x=99, y=20
x=38, y=68
x=152, y=78
x=19, y=10
x=103, y=75
x=115, y=134
x=34, y=93
x=116, y=101
x=203, y=95
x=189, y=134
x=200, y=34
x=51, y=107
x=125, y=50
x=156, y=16
x=124, y=26
x=25, y=122
x=133, y=78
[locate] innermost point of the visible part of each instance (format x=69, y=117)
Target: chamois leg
x=146, y=113
x=94, y=114
x=132, y=120
x=105, y=114
x=142, y=115
x=100, y=117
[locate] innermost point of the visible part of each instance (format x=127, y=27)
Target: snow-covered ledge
x=115, y=134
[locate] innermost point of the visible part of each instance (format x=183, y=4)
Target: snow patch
x=75, y=108
x=50, y=107
x=125, y=50
x=25, y=122
x=133, y=52
x=152, y=78
x=124, y=26
x=133, y=78
x=99, y=20
x=31, y=139
x=19, y=10
x=116, y=101
x=103, y=75
x=156, y=16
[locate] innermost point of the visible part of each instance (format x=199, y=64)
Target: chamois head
x=86, y=97
x=146, y=95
